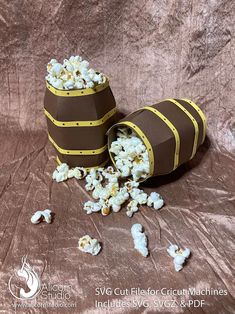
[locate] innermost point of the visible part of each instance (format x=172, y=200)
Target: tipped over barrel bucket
x=77, y=123
x=171, y=130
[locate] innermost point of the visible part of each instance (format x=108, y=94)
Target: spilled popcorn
x=62, y=173
x=109, y=191
x=140, y=239
x=74, y=73
x=155, y=200
x=130, y=154
x=88, y=245
x=39, y=216
x=179, y=256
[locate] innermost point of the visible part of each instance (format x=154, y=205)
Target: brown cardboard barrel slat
x=88, y=161
x=197, y=117
x=172, y=131
x=67, y=108
x=77, y=124
x=80, y=137
x=183, y=125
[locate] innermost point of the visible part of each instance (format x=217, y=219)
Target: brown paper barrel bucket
x=78, y=121
x=172, y=131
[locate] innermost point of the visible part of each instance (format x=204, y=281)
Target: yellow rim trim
x=77, y=92
x=77, y=152
x=87, y=168
x=195, y=124
x=201, y=114
x=144, y=139
x=173, y=129
x=68, y=124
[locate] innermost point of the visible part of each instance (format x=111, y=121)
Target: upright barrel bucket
x=78, y=121
x=172, y=131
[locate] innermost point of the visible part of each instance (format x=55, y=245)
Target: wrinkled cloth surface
x=150, y=50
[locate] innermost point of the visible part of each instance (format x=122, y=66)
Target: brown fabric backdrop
x=150, y=50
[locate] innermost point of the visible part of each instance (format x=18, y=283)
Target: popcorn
x=130, y=154
x=130, y=185
x=70, y=174
x=88, y=245
x=105, y=207
x=125, y=171
x=68, y=64
x=139, y=196
x=98, y=78
x=79, y=84
x=90, y=84
x=91, y=207
x=50, y=64
x=97, y=191
x=179, y=256
x=110, y=174
x=78, y=173
x=57, y=83
x=155, y=200
x=39, y=216
x=74, y=73
x=93, y=179
x=140, y=240
x=109, y=191
x=61, y=173
x=56, y=69
x=62, y=167
x=68, y=84
x=132, y=208
x=116, y=148
x=120, y=198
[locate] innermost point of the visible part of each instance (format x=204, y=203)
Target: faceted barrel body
x=77, y=123
x=172, y=131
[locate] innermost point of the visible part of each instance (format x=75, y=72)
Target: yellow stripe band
x=201, y=114
x=68, y=124
x=195, y=124
x=77, y=152
x=77, y=92
x=173, y=129
x=145, y=140
x=87, y=168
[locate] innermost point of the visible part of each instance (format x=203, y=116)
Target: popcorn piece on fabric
x=98, y=190
x=155, y=200
x=61, y=173
x=88, y=245
x=105, y=192
x=74, y=73
x=39, y=216
x=108, y=189
x=110, y=174
x=139, y=195
x=105, y=207
x=140, y=240
x=78, y=173
x=91, y=207
x=132, y=208
x=117, y=200
x=93, y=179
x=179, y=256
x=130, y=154
x=130, y=185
